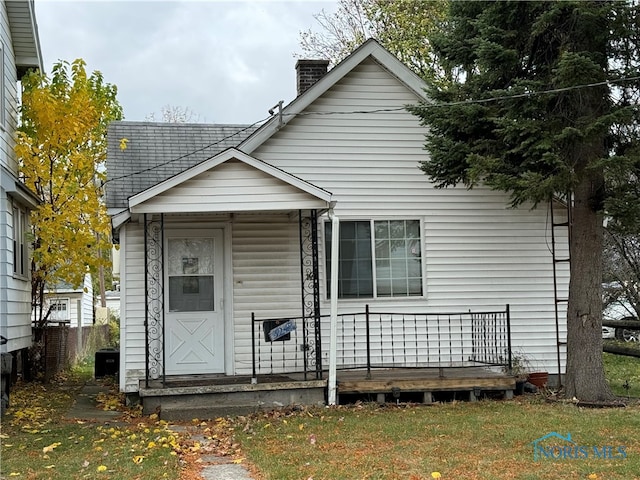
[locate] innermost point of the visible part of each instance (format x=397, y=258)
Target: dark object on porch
x=269, y=325
x=107, y=362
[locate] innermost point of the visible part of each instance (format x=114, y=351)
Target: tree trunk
x=585, y=379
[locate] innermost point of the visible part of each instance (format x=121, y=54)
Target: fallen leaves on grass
x=50, y=448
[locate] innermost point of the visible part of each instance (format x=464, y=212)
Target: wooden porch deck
x=215, y=395
x=430, y=383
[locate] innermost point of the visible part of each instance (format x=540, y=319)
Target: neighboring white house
x=213, y=220
x=19, y=52
x=71, y=305
x=112, y=308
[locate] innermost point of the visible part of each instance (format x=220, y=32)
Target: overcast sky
x=228, y=62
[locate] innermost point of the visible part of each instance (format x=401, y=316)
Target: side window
x=59, y=310
x=20, y=247
x=381, y=258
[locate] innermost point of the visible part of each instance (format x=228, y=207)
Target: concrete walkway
x=85, y=408
x=215, y=467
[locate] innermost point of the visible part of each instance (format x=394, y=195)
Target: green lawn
x=460, y=440
x=38, y=443
x=623, y=370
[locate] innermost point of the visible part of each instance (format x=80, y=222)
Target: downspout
x=333, y=343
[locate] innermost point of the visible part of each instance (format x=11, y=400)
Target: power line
x=479, y=100
x=187, y=154
x=384, y=110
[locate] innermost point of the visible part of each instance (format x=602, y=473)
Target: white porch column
x=333, y=343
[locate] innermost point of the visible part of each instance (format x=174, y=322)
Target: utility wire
x=188, y=154
x=479, y=100
x=383, y=110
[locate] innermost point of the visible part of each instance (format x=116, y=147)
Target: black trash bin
x=107, y=362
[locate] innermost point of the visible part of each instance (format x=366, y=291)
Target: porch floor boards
x=382, y=381
x=424, y=380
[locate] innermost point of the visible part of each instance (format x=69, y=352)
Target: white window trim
x=20, y=226
x=62, y=301
x=407, y=298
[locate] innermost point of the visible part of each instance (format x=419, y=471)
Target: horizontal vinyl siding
x=15, y=293
x=231, y=186
x=133, y=307
x=10, y=80
x=478, y=253
x=15, y=296
x=266, y=276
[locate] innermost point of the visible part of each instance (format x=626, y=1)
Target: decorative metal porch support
x=309, y=274
x=154, y=298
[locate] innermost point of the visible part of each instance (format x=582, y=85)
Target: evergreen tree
x=542, y=100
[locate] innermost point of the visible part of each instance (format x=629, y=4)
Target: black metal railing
x=388, y=340
x=282, y=345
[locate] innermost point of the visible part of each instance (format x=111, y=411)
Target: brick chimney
x=308, y=72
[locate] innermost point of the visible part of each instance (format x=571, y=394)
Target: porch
x=206, y=397
x=383, y=357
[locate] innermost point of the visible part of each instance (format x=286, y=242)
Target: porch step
x=212, y=401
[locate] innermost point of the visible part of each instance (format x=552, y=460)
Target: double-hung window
x=20, y=246
x=377, y=258
x=59, y=310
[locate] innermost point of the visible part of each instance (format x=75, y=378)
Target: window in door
x=191, y=274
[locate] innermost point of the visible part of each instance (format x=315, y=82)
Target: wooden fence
x=64, y=345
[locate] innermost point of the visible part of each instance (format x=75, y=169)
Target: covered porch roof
x=231, y=181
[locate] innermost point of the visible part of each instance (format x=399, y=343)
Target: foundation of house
x=206, y=397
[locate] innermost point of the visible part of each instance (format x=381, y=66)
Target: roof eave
x=17, y=10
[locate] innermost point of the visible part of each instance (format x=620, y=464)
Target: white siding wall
x=15, y=299
x=266, y=274
x=10, y=106
x=232, y=187
x=87, y=301
x=479, y=253
x=132, y=336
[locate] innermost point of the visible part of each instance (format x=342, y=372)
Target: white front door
x=194, y=335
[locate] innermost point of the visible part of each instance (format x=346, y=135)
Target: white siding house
x=69, y=305
x=226, y=230
x=19, y=51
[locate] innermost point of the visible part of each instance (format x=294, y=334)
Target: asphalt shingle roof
x=157, y=151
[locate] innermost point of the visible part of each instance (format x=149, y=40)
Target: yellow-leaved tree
x=61, y=146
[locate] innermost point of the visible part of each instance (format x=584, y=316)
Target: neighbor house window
x=59, y=310
x=377, y=258
x=20, y=247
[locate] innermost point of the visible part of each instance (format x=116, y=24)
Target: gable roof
x=370, y=48
x=157, y=151
x=270, y=200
